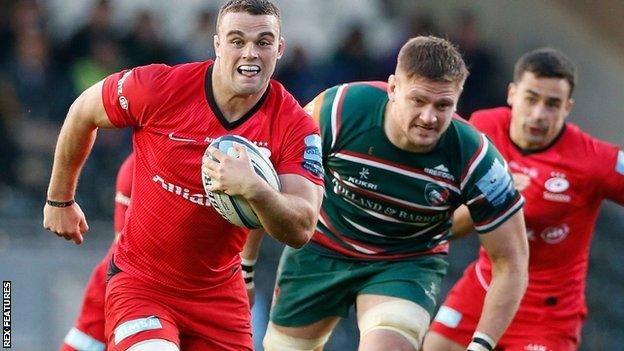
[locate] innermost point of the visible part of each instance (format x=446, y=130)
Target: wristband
x=481, y=342
x=248, y=262
x=60, y=204
x=247, y=267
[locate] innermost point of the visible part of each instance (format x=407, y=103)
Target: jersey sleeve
x=130, y=97
x=487, y=188
x=302, y=153
x=612, y=183
x=320, y=108
x=123, y=191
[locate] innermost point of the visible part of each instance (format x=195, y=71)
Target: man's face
x=247, y=48
x=539, y=107
x=422, y=109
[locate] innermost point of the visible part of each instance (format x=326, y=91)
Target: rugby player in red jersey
x=175, y=280
x=564, y=175
x=88, y=333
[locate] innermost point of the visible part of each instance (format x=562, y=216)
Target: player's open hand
x=67, y=222
x=233, y=173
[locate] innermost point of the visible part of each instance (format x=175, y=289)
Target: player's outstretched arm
x=75, y=141
x=508, y=250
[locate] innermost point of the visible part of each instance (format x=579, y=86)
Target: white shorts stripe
x=82, y=341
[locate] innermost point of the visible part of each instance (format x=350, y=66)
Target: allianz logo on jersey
x=440, y=171
x=555, y=186
x=198, y=199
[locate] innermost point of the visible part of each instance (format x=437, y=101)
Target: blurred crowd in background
x=41, y=74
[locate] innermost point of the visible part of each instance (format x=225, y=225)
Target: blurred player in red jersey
x=175, y=280
x=88, y=333
x=563, y=194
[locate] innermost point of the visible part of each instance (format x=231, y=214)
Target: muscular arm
x=72, y=148
x=508, y=250
x=290, y=215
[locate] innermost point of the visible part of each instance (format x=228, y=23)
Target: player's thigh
x=201, y=343
x=311, y=287
x=310, y=337
x=398, y=300
x=135, y=314
x=417, y=280
x=217, y=319
x=390, y=321
x=440, y=342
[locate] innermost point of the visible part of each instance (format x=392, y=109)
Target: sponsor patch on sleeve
x=496, y=184
x=619, y=165
x=312, y=155
x=134, y=326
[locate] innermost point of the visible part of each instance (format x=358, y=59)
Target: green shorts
x=311, y=286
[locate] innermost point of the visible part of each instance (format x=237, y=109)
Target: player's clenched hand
x=67, y=222
x=232, y=174
x=521, y=181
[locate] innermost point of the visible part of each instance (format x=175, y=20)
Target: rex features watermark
x=6, y=314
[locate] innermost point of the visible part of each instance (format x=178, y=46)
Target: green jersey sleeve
x=487, y=188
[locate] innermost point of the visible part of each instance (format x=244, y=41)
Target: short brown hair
x=546, y=63
x=254, y=7
x=432, y=58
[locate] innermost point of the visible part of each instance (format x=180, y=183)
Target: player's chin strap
x=481, y=342
x=247, y=266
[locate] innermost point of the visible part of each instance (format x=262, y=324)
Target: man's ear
x=216, y=43
x=568, y=106
x=392, y=81
x=512, y=88
x=281, y=46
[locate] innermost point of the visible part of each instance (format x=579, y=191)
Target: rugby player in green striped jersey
x=397, y=162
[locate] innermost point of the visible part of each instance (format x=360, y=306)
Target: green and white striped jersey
x=382, y=202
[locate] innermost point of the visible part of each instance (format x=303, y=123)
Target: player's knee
x=154, y=345
x=275, y=340
x=403, y=317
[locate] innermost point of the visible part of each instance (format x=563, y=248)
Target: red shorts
x=88, y=332
x=458, y=317
x=212, y=320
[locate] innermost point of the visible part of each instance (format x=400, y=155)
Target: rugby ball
x=235, y=209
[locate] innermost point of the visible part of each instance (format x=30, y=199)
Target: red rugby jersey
x=569, y=181
x=123, y=189
x=172, y=237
